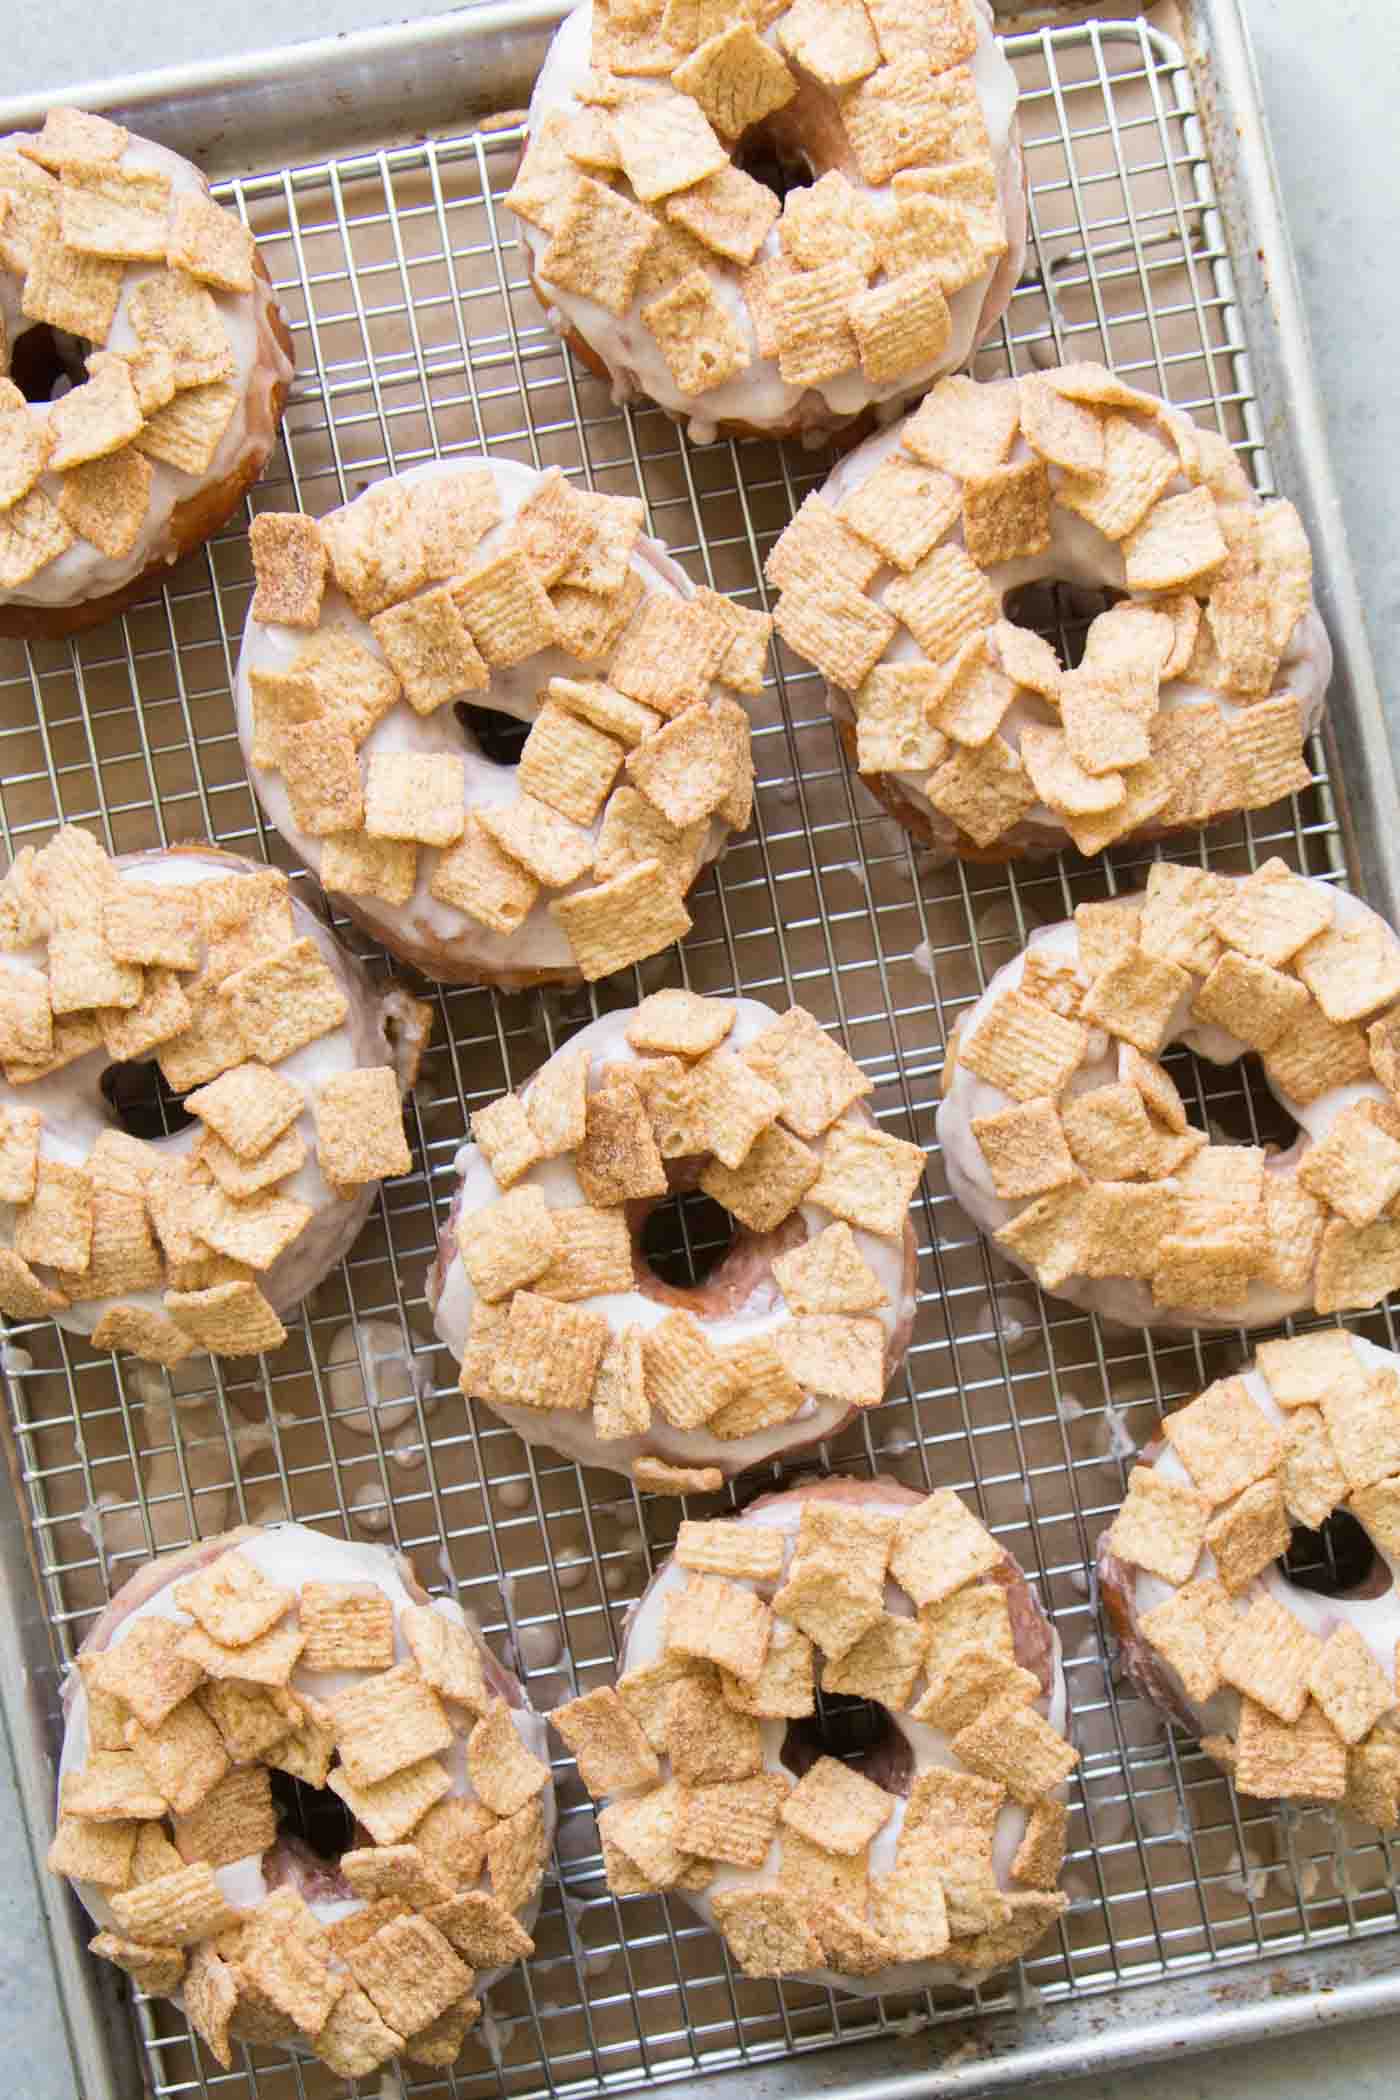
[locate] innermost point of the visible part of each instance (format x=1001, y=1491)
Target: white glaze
x=75, y=1111
x=1376, y=1619
x=1078, y=554
x=1129, y=1299
x=260, y=367
x=645, y=1643
x=291, y=1554
x=572, y=1433
x=759, y=395
x=424, y=924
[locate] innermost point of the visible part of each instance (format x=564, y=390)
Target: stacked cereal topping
x=625, y=769
x=771, y=1128
x=984, y=723
x=1316, y=1714
x=211, y=981
x=753, y=1621
x=1111, y=1180
x=637, y=188
x=186, y=1721
x=76, y=209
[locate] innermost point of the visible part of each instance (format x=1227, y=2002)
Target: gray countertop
x=1331, y=83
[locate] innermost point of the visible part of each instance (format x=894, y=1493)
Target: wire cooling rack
x=417, y=336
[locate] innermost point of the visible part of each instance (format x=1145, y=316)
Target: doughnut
x=1195, y=692
x=1291, y=1687
x=1067, y=1142
x=302, y=1798
x=542, y=1290
x=798, y=230
x=288, y=1064
x=501, y=589
x=148, y=365
x=932, y=1856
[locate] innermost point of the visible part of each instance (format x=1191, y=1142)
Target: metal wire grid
x=416, y=336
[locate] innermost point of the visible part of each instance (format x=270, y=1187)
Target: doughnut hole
x=1240, y=1107
x=496, y=736
x=41, y=357
x=1338, y=1560
x=1062, y=613
x=141, y=1102
x=312, y=1816
x=768, y=157
x=858, y=1733
x=685, y=1238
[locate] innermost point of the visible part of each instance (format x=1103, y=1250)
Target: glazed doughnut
x=929, y=1859
x=278, y=1739
x=1068, y=1143
x=148, y=367
x=1194, y=694
x=560, y=1323
x=680, y=278
x=1293, y=1689
x=493, y=586
x=290, y=1064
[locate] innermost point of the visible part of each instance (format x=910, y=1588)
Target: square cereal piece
x=620, y=1404
x=624, y=920
x=379, y=1872
x=508, y=1244
x=71, y=291
x=647, y=1692
x=504, y=1773
x=750, y=1552
x=1355, y=1169
x=56, y=1226
x=482, y=1930
x=973, y=1681
x=235, y=1818
x=778, y=1170
x=1255, y=1002
x=716, y=1621
x=599, y=241
x=613, y=1754
x=270, y=1659
x=688, y=768
x=1189, y=1629
x=19, y=1154
x=355, y=688
x=358, y=866
x=665, y=144
x=386, y=1723
x=447, y=1656
x=1224, y=1440
x=1051, y=1236
x=903, y=510
x=732, y=214
x=22, y=1295
x=146, y=1671
x=1010, y=1743
x=410, y=1972
x=112, y=1787
x=1357, y=1265
x=1365, y=1428
x=26, y=1016
x=905, y=116
x=505, y=607
x=591, y=1255
x=567, y=764
x=1351, y=971
x=828, y=1274
x=1161, y=1526
x=815, y=1079
x=354, y=2040
x=476, y=875
x=1268, y=745
x=1176, y=918
x=553, y=851
x=454, y=511
x=348, y=1626
x=1349, y=1684
x=703, y=346
x=249, y=1107
x=1059, y=429
x=176, y=1909
x=901, y=327
x=681, y=1023
x=868, y=1179
x=643, y=1832
x=767, y=1392
x=1024, y=1048
x=894, y=732
x=625, y=720
x=736, y=78
x=1373, y=1782
x=1006, y=512
x=549, y=1354
x=143, y=923
x=285, y=1001
x=670, y=654
x=233, y=1600
x=1273, y=913
x=84, y=973
x=516, y=1849
x=1210, y=1267
x=255, y=1231
x=817, y=548
x=25, y=444
x=188, y=431
x=1310, y=1478
x=709, y=1742
x=1135, y=999
x=415, y=795
x=552, y=526
x=939, y=1547
x=1301, y=1760
x=432, y=654
x=375, y=548
x=985, y=791
x=545, y=176
x=502, y=1131
x=603, y=562
x=114, y=211
x=970, y=695
x=1110, y=1134
x=1248, y=1534
x=1269, y=1656
x=1311, y=1056
x=74, y=135
x=618, y=1161
x=944, y=32
x=964, y=426
x=1025, y=1147
x=452, y=1840
x=835, y=43
x=1179, y=540
x=835, y=1356
x=767, y=1932
x=882, y=1665
x=811, y=317
x=211, y=244
x=359, y=1127
x=733, y=1821
x=1137, y=466
x=836, y=1808
x=394, y=1807
x=686, y=1380
x=785, y=1688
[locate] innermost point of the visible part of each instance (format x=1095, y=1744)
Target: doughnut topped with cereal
x=144, y=364
x=902, y=580
x=391, y=644
x=772, y=220
x=290, y=1069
